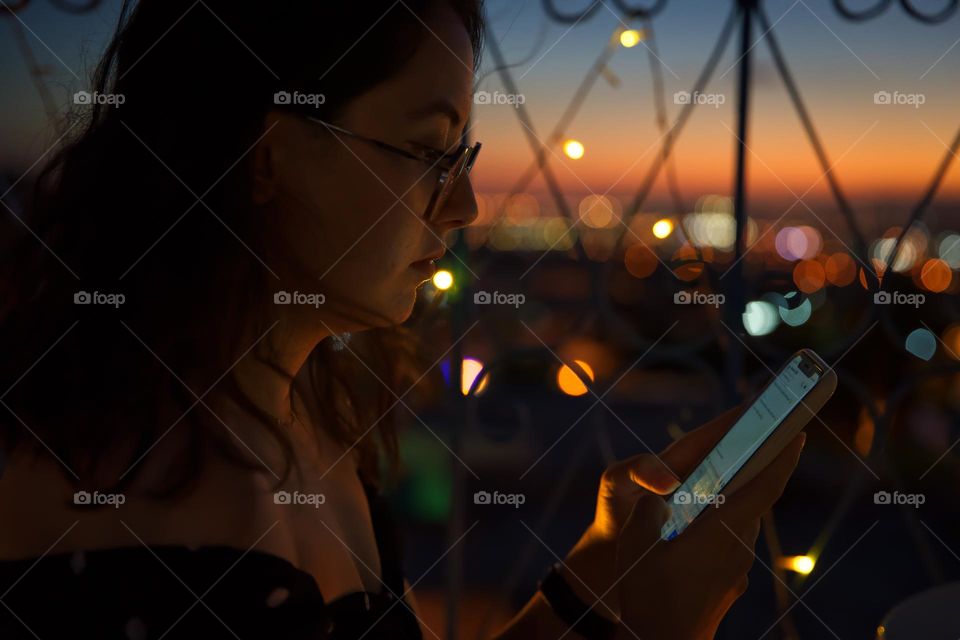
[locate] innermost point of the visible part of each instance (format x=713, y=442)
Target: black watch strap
x=572, y=610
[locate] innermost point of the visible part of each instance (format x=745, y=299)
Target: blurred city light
x=760, y=318
x=793, y=311
x=949, y=250
x=911, y=249
x=569, y=381
x=922, y=343
x=798, y=243
x=663, y=228
x=640, y=260
x=809, y=276
x=470, y=370
x=840, y=269
x=599, y=212
x=936, y=275
x=951, y=341
x=716, y=230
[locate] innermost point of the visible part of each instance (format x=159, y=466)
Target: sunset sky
x=879, y=151
x=882, y=153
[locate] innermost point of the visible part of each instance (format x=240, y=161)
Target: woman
x=202, y=351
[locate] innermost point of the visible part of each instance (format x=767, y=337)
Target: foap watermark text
x=711, y=99
x=298, y=297
x=97, y=499
x=497, y=297
x=899, y=298
x=693, y=497
x=898, y=498
x=512, y=499
x=297, y=498
x=296, y=98
x=98, y=297
x=896, y=98
x=699, y=298
x=498, y=97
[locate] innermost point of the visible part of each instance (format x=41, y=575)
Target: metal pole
x=736, y=297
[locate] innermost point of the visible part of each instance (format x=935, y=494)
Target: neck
x=267, y=372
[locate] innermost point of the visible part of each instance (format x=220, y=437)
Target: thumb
x=646, y=520
x=652, y=474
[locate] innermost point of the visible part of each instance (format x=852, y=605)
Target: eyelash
x=433, y=154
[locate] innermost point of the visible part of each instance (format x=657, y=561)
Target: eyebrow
x=441, y=106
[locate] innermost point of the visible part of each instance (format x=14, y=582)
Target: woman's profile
x=203, y=346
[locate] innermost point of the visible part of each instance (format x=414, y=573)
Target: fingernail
x=652, y=475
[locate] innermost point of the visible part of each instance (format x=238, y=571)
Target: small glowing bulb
x=574, y=149
x=631, y=38
x=569, y=381
x=662, y=228
x=443, y=279
x=799, y=564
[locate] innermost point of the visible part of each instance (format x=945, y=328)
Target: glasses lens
x=448, y=183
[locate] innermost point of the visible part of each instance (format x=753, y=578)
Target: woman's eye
x=431, y=152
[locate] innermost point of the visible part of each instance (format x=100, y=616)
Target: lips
x=436, y=255
x=426, y=268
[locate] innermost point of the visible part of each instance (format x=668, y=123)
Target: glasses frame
x=454, y=166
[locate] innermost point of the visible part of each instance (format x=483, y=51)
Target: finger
x=642, y=528
x=743, y=544
x=757, y=496
x=685, y=454
x=745, y=532
x=751, y=532
x=646, y=471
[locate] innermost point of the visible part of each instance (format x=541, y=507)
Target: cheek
x=349, y=230
x=333, y=224
x=363, y=219
x=374, y=259
x=376, y=274
x=391, y=244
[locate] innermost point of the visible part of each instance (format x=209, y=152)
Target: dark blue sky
x=839, y=64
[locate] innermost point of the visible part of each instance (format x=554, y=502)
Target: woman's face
x=352, y=212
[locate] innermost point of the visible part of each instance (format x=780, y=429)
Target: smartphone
x=777, y=414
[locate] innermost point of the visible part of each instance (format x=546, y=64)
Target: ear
x=264, y=170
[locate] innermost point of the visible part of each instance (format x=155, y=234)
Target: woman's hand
x=590, y=567
x=681, y=589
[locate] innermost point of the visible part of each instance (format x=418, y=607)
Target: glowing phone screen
x=704, y=486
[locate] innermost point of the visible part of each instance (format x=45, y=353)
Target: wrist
x=577, y=614
x=590, y=570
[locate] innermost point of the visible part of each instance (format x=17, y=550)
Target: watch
x=572, y=610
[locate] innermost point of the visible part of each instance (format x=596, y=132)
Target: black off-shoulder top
x=211, y=592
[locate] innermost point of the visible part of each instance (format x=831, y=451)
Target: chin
x=392, y=308
x=396, y=311
x=407, y=308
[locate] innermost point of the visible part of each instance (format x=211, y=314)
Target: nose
x=460, y=209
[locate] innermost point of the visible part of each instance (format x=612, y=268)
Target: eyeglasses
x=454, y=166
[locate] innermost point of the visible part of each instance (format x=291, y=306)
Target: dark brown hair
x=116, y=210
